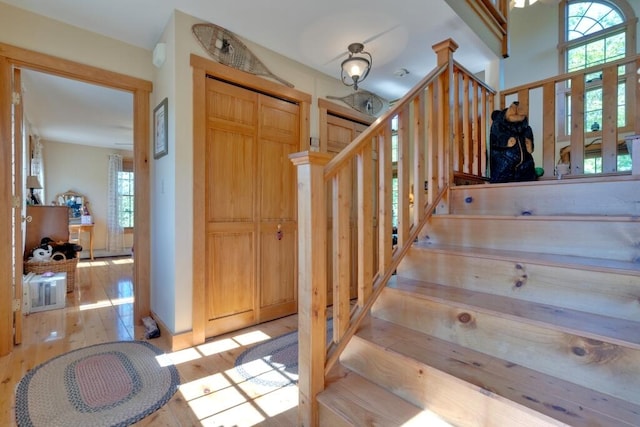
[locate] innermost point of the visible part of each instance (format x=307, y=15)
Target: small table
x=83, y=228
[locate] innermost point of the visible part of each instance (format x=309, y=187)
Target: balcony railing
x=574, y=131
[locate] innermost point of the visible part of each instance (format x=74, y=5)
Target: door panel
x=279, y=133
x=234, y=282
x=278, y=291
x=230, y=199
x=230, y=183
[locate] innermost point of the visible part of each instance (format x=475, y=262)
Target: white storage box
x=44, y=292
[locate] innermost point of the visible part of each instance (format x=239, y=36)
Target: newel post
x=444, y=53
x=312, y=282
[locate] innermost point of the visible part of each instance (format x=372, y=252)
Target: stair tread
x=585, y=263
x=594, y=326
x=559, y=399
x=366, y=403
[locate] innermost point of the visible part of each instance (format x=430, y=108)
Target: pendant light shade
x=357, y=66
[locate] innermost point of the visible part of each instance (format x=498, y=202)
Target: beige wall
x=83, y=169
x=30, y=31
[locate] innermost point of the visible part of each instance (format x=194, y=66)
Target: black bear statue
x=510, y=146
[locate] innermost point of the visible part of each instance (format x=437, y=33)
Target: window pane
x=584, y=18
x=615, y=47
x=595, y=53
x=576, y=58
x=593, y=110
x=622, y=113
x=394, y=202
x=125, y=199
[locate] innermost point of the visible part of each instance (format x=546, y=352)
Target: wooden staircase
x=521, y=306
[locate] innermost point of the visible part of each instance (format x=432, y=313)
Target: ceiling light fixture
x=521, y=3
x=357, y=66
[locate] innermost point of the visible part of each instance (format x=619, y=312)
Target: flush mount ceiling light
x=357, y=66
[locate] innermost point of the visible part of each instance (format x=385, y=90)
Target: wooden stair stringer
x=454, y=381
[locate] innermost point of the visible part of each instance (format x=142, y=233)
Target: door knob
x=279, y=232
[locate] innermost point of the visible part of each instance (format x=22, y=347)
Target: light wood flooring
x=101, y=310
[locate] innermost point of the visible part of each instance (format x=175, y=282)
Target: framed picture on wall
x=161, y=129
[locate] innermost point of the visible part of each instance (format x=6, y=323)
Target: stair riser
x=615, y=240
x=605, y=293
x=601, y=366
x=459, y=402
x=550, y=198
x=329, y=418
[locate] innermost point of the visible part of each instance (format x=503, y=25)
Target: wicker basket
x=68, y=266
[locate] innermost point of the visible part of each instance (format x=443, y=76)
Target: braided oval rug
x=111, y=384
x=274, y=363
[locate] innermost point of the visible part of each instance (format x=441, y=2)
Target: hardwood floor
x=101, y=310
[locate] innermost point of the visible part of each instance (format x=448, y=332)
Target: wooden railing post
x=312, y=282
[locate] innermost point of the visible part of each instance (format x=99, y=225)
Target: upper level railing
x=583, y=117
x=442, y=130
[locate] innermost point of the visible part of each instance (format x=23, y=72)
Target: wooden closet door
x=231, y=183
x=250, y=271
x=279, y=137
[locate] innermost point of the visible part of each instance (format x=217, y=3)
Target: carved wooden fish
x=227, y=49
x=363, y=101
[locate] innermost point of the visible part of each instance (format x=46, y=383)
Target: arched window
x=593, y=33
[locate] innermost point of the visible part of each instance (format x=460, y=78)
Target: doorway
x=16, y=58
x=80, y=142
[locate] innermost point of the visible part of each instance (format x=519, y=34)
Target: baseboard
x=102, y=253
x=174, y=342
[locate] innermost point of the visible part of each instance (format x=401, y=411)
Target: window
x=596, y=32
x=126, y=194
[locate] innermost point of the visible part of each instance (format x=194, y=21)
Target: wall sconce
x=33, y=184
x=357, y=66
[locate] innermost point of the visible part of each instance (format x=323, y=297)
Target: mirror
x=77, y=204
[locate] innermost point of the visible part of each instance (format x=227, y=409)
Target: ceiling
x=398, y=34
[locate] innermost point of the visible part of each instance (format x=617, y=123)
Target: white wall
x=83, y=169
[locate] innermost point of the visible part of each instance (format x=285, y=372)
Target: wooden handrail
x=348, y=152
